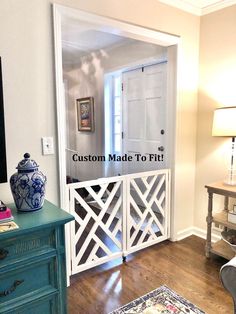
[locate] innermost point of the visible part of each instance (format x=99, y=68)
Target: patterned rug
x=162, y=300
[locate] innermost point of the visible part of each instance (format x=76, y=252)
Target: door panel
x=154, y=81
x=154, y=117
x=136, y=125
x=134, y=85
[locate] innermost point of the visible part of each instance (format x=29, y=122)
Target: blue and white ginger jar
x=28, y=185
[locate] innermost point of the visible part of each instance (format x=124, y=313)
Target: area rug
x=162, y=300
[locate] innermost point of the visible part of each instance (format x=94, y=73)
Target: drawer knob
x=3, y=253
x=11, y=289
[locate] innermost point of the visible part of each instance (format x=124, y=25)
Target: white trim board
x=201, y=233
x=118, y=27
x=201, y=7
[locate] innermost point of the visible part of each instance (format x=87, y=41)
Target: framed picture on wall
x=85, y=114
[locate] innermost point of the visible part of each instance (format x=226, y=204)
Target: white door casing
x=125, y=29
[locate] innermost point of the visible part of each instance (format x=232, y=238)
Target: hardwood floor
x=181, y=266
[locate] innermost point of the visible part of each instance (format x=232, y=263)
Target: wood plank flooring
x=181, y=266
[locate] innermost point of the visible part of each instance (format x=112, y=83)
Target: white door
x=144, y=118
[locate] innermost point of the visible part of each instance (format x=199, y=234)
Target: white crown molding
x=184, y=5
x=217, y=6
x=201, y=7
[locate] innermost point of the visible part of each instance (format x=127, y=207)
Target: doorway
x=98, y=23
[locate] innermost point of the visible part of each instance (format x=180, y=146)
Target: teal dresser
x=32, y=263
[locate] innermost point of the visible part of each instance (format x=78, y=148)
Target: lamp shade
x=224, y=122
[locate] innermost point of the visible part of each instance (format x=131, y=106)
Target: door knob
x=161, y=148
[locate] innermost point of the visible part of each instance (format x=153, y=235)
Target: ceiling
x=80, y=38
x=199, y=7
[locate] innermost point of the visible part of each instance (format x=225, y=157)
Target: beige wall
x=216, y=89
x=26, y=47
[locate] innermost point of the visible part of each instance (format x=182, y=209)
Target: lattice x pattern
x=97, y=232
x=147, y=209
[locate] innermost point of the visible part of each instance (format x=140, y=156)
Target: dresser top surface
x=48, y=216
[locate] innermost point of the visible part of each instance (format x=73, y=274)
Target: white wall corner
x=201, y=233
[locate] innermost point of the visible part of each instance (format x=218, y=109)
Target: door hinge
x=122, y=87
x=142, y=69
x=122, y=135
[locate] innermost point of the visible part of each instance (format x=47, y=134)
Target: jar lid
x=27, y=164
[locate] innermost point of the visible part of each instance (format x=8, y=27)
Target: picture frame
x=85, y=114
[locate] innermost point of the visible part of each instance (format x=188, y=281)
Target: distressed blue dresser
x=32, y=263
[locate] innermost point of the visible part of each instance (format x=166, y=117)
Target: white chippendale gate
x=148, y=196
x=117, y=216
x=96, y=233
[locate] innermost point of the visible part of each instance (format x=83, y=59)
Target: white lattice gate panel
x=96, y=233
x=147, y=209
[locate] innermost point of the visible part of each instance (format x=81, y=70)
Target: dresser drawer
x=17, y=248
x=32, y=262
x=48, y=305
x=18, y=285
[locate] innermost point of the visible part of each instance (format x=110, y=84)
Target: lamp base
x=231, y=178
x=229, y=182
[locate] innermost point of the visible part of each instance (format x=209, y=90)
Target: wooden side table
x=220, y=248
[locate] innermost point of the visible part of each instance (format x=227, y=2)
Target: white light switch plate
x=47, y=145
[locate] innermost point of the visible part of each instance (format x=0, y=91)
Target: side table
x=220, y=248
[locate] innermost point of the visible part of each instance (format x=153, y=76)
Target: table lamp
x=224, y=124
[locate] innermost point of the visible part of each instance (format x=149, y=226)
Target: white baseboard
x=184, y=233
x=201, y=233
